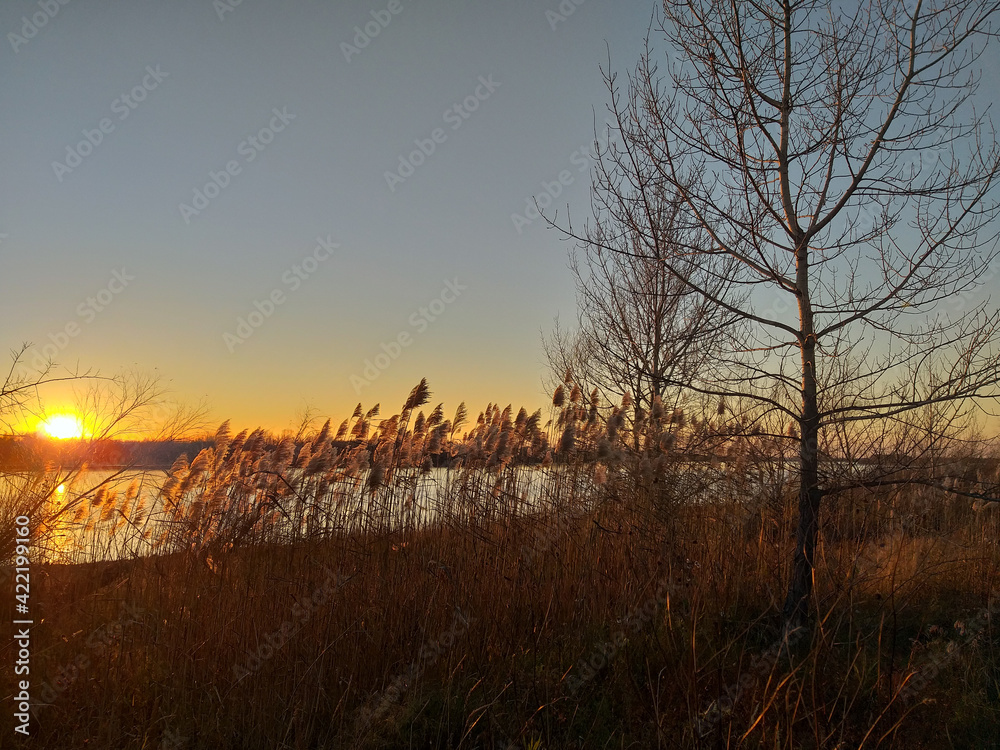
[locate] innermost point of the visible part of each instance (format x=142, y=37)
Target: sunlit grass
x=512, y=580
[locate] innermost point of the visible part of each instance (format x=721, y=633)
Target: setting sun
x=62, y=427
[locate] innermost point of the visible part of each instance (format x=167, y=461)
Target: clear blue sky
x=95, y=242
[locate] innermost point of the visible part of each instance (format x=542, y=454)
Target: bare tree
x=832, y=157
x=640, y=327
x=21, y=383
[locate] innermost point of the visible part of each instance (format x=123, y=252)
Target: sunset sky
x=274, y=207
x=112, y=259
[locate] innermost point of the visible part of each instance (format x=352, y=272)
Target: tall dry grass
x=594, y=577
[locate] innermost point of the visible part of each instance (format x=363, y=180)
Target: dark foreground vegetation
x=617, y=594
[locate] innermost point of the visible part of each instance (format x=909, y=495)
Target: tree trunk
x=800, y=586
x=796, y=610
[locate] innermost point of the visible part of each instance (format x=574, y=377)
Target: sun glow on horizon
x=62, y=427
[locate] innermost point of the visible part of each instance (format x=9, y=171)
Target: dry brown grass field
x=581, y=583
